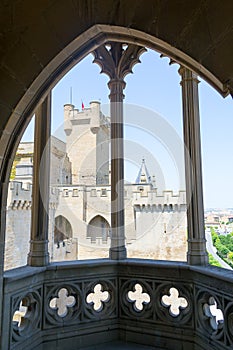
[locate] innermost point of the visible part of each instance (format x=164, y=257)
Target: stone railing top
x=144, y=266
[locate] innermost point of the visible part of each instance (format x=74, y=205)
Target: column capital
x=187, y=75
x=117, y=59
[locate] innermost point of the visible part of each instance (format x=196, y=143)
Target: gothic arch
x=44, y=79
x=67, y=58
x=42, y=83
x=98, y=228
x=62, y=229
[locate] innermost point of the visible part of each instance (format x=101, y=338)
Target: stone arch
x=66, y=59
x=62, y=229
x=45, y=78
x=98, y=227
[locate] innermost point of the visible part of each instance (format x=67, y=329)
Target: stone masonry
x=80, y=201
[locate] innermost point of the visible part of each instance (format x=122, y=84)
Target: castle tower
x=24, y=170
x=87, y=138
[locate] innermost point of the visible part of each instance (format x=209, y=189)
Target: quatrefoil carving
x=98, y=297
x=138, y=297
x=174, y=302
x=20, y=314
x=63, y=302
x=215, y=315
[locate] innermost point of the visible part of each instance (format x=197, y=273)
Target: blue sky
x=155, y=88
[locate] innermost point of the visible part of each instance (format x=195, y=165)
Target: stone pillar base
x=38, y=255
x=118, y=253
x=197, y=254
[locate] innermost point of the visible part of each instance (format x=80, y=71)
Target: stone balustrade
x=76, y=304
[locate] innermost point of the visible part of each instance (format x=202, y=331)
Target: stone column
x=117, y=60
x=197, y=254
x=38, y=255
x=3, y=202
x=118, y=249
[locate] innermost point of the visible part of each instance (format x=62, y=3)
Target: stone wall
x=60, y=166
x=155, y=225
x=18, y=223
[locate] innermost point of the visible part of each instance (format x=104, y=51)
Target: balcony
x=160, y=304
x=111, y=303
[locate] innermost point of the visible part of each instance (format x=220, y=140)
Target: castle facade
x=80, y=199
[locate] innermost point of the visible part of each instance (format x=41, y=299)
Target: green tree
x=213, y=261
x=230, y=255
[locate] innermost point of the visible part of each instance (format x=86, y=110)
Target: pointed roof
x=143, y=174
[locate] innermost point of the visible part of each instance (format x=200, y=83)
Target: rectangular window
x=103, y=192
x=75, y=192
x=93, y=192
x=65, y=192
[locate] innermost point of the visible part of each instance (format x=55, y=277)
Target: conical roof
x=143, y=174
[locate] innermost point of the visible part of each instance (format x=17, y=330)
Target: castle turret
x=87, y=140
x=95, y=116
x=68, y=114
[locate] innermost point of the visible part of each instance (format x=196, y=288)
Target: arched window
x=62, y=229
x=98, y=228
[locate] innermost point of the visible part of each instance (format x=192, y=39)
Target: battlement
x=153, y=208
x=20, y=196
x=139, y=194
x=91, y=116
x=20, y=189
x=20, y=205
x=142, y=195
